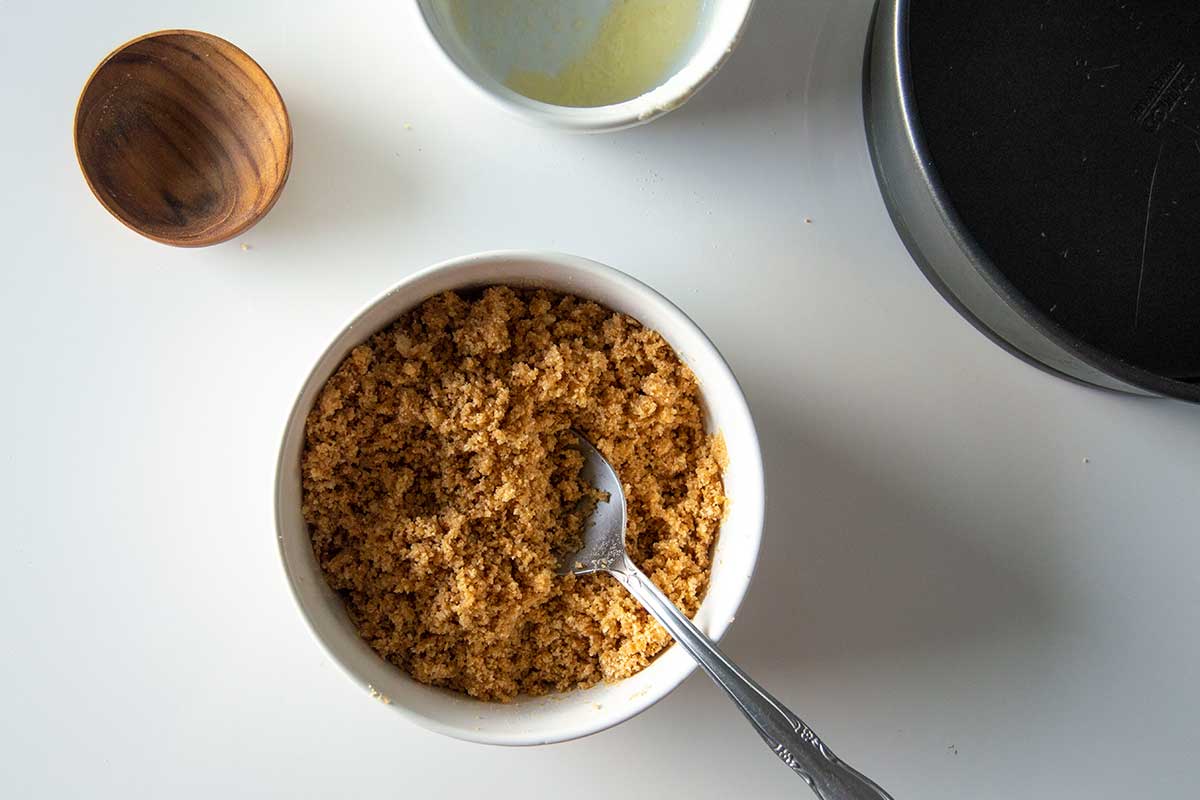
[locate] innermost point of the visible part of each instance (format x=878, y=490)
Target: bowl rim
x=198, y=242
x=754, y=505
x=594, y=119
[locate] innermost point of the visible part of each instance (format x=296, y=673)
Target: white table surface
x=977, y=580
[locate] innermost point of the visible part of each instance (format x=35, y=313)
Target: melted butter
x=635, y=47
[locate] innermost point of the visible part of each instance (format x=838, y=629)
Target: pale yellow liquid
x=637, y=44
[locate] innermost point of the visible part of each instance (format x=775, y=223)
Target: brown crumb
x=440, y=484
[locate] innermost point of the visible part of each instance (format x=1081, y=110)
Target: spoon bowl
x=183, y=138
x=604, y=536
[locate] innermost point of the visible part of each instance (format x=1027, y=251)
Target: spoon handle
x=793, y=741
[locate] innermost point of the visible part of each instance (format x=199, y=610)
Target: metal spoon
x=794, y=742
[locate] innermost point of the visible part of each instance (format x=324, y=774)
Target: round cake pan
x=971, y=257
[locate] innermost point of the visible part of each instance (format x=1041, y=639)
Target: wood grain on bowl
x=183, y=138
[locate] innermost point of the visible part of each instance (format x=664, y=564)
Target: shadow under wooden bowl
x=183, y=138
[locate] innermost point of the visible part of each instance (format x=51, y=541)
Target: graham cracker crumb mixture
x=440, y=485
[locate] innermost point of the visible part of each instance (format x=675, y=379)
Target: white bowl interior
x=486, y=54
x=556, y=717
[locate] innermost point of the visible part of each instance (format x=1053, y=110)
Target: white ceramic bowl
x=720, y=27
x=552, y=718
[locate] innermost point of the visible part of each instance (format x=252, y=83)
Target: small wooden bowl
x=183, y=138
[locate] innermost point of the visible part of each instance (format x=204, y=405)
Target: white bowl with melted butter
x=556, y=717
x=587, y=65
